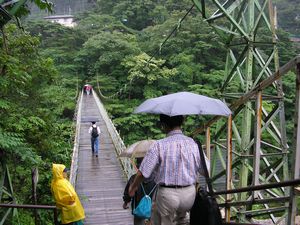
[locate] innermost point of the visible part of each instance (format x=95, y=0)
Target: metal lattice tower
x=6, y=193
x=260, y=153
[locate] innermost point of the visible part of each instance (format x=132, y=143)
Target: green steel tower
x=260, y=152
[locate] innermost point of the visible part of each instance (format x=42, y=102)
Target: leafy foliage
x=34, y=132
x=116, y=46
x=288, y=15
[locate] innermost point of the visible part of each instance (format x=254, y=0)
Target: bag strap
x=143, y=189
x=206, y=174
x=150, y=191
x=136, y=169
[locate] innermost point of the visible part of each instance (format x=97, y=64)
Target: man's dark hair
x=93, y=122
x=171, y=121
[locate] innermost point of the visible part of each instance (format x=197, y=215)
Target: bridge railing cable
x=43, y=207
x=117, y=140
x=74, y=164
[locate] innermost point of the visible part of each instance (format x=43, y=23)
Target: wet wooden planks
x=100, y=182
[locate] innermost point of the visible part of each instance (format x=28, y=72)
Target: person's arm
x=136, y=183
x=126, y=197
x=90, y=130
x=149, y=163
x=99, y=131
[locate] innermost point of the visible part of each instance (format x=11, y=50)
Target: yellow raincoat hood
x=65, y=196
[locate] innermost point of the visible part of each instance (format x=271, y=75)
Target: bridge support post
x=296, y=148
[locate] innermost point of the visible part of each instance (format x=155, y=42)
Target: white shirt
x=91, y=128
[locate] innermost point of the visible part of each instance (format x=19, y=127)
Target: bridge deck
x=100, y=181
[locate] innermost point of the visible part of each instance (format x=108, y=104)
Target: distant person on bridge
x=87, y=89
x=176, y=162
x=94, y=131
x=148, y=185
x=72, y=212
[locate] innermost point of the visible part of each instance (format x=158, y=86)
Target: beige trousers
x=173, y=205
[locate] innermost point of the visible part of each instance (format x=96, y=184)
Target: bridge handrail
x=117, y=140
x=46, y=207
x=74, y=164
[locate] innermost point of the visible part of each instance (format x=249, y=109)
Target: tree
x=288, y=15
x=147, y=78
x=33, y=129
x=102, y=55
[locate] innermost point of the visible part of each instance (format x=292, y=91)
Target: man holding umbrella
x=175, y=160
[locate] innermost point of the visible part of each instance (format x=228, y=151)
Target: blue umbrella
x=184, y=103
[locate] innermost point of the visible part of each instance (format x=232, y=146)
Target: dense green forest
x=43, y=67
x=287, y=10
x=289, y=15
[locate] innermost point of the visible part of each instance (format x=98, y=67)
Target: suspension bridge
x=259, y=168
x=100, y=181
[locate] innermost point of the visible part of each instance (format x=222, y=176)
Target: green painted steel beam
x=17, y=6
x=226, y=30
x=4, y=16
x=229, y=10
x=6, y=190
x=257, y=4
x=9, y=10
x=237, y=63
x=239, y=23
x=4, y=217
x=200, y=5
x=232, y=20
x=260, y=15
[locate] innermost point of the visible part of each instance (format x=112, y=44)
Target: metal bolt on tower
x=247, y=29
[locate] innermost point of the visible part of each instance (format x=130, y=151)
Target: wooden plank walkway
x=100, y=181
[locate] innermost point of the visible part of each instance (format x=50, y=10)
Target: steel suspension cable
x=172, y=32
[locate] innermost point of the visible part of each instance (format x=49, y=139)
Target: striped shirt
x=174, y=160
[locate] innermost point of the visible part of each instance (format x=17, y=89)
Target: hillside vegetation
x=42, y=68
x=289, y=15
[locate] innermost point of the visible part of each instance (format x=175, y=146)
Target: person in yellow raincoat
x=66, y=197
